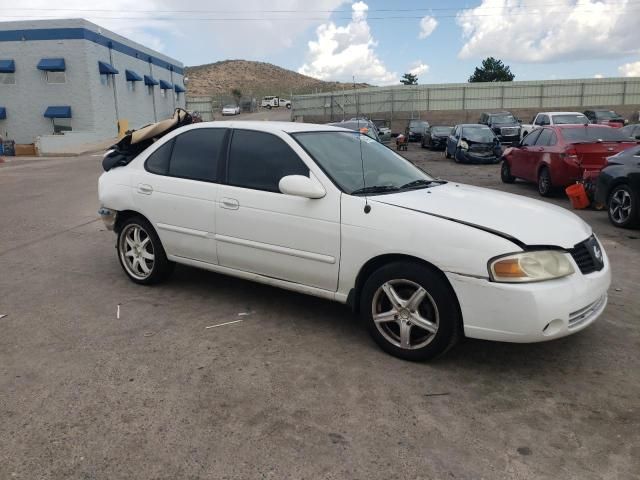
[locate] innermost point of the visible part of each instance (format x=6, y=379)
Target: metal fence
x=408, y=101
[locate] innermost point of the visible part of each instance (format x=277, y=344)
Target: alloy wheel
x=136, y=251
x=405, y=314
x=620, y=206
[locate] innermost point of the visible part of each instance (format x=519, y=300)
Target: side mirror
x=301, y=186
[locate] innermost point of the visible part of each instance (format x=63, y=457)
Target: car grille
x=588, y=256
x=583, y=315
x=509, y=131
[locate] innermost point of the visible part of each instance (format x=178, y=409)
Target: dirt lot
x=297, y=390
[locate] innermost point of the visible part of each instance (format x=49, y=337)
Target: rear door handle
x=145, y=189
x=230, y=203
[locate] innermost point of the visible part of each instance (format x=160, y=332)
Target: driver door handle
x=229, y=203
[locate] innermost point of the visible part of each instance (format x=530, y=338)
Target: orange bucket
x=578, y=196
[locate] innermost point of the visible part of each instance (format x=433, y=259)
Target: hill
x=254, y=79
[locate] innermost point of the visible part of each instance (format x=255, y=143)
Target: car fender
x=449, y=246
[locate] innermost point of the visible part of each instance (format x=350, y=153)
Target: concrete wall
x=453, y=117
x=93, y=104
x=403, y=102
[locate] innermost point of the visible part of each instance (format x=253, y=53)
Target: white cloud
x=427, y=25
x=338, y=53
x=418, y=68
x=598, y=75
x=630, y=69
x=196, y=31
x=524, y=31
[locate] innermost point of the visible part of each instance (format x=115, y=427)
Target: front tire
x=141, y=253
x=505, y=173
x=446, y=153
x=623, y=207
x=545, y=186
x=410, y=311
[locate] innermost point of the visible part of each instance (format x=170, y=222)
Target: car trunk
x=593, y=156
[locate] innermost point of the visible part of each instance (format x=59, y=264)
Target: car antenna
x=367, y=207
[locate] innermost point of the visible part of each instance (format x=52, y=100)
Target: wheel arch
x=124, y=215
x=379, y=261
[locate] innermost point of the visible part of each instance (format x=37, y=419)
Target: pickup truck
x=553, y=118
x=270, y=102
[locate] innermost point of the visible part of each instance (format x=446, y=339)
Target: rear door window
x=544, y=138
x=196, y=154
x=258, y=160
x=531, y=138
x=158, y=161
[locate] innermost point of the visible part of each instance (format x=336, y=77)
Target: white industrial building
x=71, y=82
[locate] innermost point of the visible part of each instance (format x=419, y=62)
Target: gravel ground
x=297, y=390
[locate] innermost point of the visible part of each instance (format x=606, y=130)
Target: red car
x=557, y=156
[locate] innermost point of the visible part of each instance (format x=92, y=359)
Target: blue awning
x=3, y=113
x=149, y=80
x=178, y=88
x=52, y=65
x=132, y=76
x=7, y=66
x=58, y=112
x=107, y=69
x=164, y=85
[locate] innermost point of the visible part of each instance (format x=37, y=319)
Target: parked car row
x=603, y=158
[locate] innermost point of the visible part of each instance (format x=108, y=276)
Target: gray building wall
x=93, y=104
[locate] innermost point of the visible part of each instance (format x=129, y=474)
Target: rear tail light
x=571, y=156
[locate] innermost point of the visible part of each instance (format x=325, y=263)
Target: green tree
x=237, y=95
x=492, y=70
x=409, y=79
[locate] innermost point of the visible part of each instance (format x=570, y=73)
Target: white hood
x=532, y=222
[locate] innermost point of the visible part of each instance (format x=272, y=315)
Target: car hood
x=525, y=221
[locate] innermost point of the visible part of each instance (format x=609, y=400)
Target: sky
x=374, y=40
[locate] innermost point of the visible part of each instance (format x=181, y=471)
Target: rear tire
x=505, y=172
x=623, y=207
x=141, y=253
x=411, y=311
x=545, y=186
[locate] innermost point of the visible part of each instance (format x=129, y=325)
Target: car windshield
x=594, y=134
x=441, y=130
x=506, y=118
x=570, y=119
x=417, y=124
x=229, y=106
x=478, y=134
x=341, y=155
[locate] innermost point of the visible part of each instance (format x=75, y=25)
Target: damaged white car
x=332, y=213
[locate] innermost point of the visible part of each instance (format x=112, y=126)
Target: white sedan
x=332, y=213
x=231, y=110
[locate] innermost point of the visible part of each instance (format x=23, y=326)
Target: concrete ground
x=295, y=391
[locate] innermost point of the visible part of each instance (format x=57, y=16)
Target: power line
x=532, y=4
x=291, y=19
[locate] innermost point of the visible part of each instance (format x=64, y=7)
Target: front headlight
x=463, y=145
x=534, y=266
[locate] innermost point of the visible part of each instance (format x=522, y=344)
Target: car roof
x=580, y=125
x=560, y=113
x=478, y=125
x=265, y=126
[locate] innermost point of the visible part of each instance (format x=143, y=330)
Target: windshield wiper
x=376, y=189
x=421, y=183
